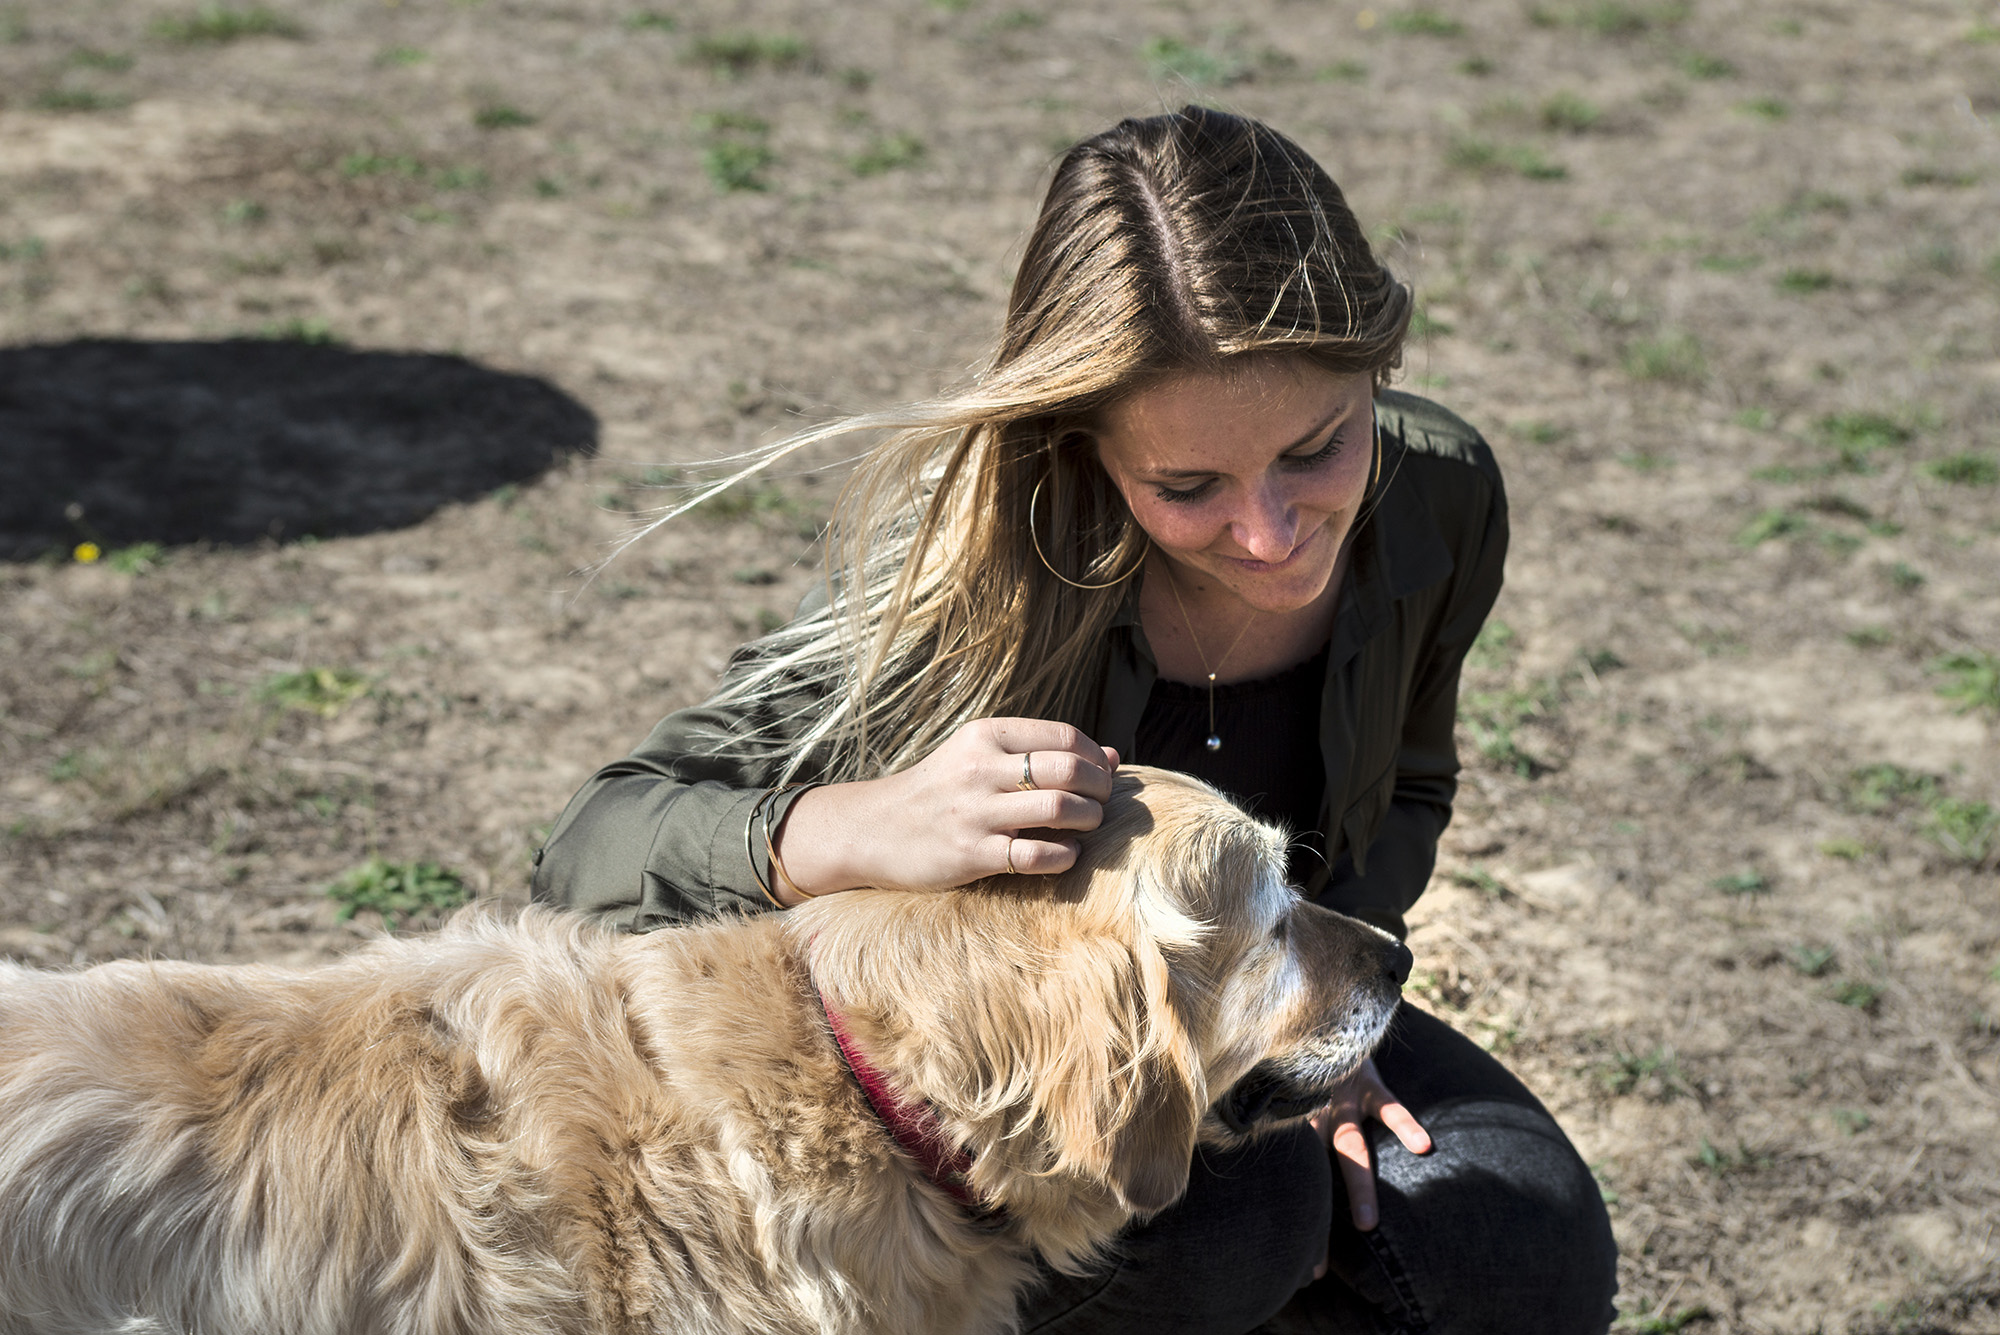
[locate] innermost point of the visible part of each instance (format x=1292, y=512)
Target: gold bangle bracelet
x=749, y=854
x=771, y=846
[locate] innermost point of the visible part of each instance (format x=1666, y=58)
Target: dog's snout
x=1399, y=962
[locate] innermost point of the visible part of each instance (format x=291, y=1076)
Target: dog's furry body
x=532, y=1126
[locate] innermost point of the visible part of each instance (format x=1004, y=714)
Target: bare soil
x=1720, y=280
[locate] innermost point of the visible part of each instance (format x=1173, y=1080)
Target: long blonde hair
x=1166, y=244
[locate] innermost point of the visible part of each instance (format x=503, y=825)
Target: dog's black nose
x=1399, y=962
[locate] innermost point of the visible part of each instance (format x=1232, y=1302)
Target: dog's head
x=1076, y=1030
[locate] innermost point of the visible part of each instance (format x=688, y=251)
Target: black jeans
x=1500, y=1228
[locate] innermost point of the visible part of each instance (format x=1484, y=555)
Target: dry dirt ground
x=1719, y=279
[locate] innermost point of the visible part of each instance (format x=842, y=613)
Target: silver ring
x=1027, y=783
x=1011, y=871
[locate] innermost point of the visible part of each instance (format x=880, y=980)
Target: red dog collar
x=914, y=1126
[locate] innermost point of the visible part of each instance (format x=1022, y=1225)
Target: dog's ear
x=1041, y=1023
x=1155, y=1142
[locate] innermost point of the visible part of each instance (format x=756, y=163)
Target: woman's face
x=1251, y=477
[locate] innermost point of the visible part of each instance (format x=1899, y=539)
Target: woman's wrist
x=812, y=843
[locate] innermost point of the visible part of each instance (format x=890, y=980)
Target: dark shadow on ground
x=119, y=442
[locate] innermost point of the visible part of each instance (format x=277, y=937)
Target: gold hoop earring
x=1036, y=539
x=1375, y=465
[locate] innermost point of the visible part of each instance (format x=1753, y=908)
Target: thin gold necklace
x=1214, y=738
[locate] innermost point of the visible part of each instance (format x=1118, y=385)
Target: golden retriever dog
x=537, y=1126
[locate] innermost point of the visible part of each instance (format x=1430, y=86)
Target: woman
x=1178, y=520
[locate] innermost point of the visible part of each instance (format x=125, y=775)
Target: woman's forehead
x=1263, y=407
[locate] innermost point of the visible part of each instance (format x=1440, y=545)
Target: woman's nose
x=1268, y=525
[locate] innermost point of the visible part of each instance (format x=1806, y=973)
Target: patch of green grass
x=1905, y=577
x=136, y=559
x=1200, y=67
x=1655, y=1074
x=887, y=154
x=1749, y=881
x=1476, y=877
x=739, y=53
x=244, y=213
x=70, y=766
x=1724, y=1163
x=324, y=691
x=1612, y=18
x=1697, y=65
x=1965, y=830
x=1476, y=66
x=501, y=116
x=1491, y=718
x=1540, y=433
x=1343, y=71
x=1852, y=1121
x=358, y=165
x=1569, y=113
x=1472, y=153
x=217, y=24
x=1494, y=648
x=31, y=248
x=65, y=99
x=1871, y=637
x=1423, y=23
x=1933, y=175
x=1673, y=356
x=1860, y=995
x=300, y=329
x=1730, y=263
x=395, y=57
x=1775, y=523
x=1965, y=470
x=397, y=890
x=651, y=20
x=1800, y=282
x=1810, y=961
x=1857, y=435
x=90, y=58
x=1425, y=325
x=1834, y=503
x=1660, y=1323
x=463, y=178
x=1765, y=108
x=737, y=152
x=734, y=164
x=1972, y=680
x=1875, y=789
x=754, y=500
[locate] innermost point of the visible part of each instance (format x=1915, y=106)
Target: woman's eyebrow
x=1306, y=439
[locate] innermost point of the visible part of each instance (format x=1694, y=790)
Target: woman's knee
x=1501, y=1227
x=1223, y=1259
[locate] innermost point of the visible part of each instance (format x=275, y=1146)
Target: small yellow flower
x=1365, y=20
x=86, y=552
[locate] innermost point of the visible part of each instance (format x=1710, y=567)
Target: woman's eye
x=1318, y=456
x=1188, y=497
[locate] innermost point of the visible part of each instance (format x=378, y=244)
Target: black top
x=1269, y=761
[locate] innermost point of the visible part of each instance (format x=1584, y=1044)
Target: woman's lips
x=1251, y=566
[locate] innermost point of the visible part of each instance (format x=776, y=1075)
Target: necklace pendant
x=1214, y=742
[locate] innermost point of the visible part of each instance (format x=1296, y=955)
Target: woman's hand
x=1339, y=1126
x=960, y=814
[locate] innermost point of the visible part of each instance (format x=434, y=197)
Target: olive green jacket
x=658, y=837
